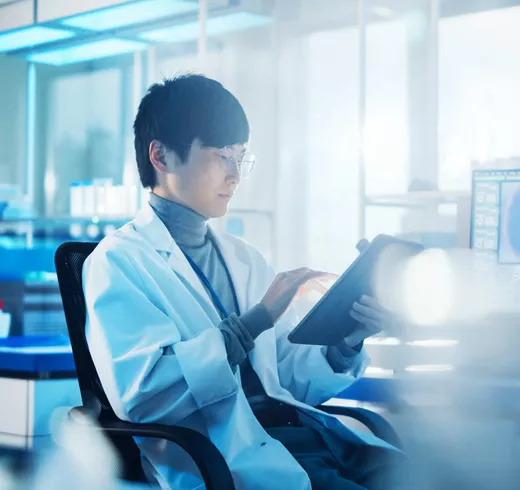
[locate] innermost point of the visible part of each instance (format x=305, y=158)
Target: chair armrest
x=212, y=465
x=379, y=426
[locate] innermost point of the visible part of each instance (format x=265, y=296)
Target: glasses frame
x=244, y=161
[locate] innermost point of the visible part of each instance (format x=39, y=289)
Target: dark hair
x=182, y=109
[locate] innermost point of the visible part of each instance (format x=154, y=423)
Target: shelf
x=66, y=220
x=417, y=199
x=32, y=225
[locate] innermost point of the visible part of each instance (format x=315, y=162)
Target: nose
x=233, y=174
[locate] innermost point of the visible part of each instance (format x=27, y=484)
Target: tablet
x=376, y=269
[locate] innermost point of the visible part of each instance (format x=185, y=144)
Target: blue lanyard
x=214, y=296
x=205, y=281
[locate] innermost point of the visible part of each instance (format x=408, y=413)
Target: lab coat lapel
x=149, y=225
x=238, y=264
x=263, y=356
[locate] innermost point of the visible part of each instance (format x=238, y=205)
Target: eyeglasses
x=244, y=162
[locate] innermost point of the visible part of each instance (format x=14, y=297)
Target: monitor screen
x=495, y=215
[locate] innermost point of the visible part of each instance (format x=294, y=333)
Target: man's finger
x=313, y=285
x=368, y=311
x=304, y=274
x=372, y=326
x=322, y=275
x=392, y=321
x=301, y=277
x=371, y=302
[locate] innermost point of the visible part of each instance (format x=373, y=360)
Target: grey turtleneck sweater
x=190, y=231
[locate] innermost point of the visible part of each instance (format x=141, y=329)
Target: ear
x=157, y=154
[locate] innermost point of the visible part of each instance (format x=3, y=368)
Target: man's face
x=208, y=179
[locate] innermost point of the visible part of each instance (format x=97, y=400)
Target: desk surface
x=47, y=357
x=36, y=355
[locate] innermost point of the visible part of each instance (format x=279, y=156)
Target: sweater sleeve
x=240, y=332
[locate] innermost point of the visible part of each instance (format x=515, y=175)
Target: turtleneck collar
x=187, y=227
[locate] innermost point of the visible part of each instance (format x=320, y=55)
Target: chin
x=218, y=211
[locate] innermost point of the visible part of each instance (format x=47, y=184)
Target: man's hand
x=373, y=319
x=286, y=286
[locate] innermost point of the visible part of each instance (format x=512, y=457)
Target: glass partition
x=84, y=140
x=400, y=137
x=13, y=112
x=330, y=147
x=479, y=101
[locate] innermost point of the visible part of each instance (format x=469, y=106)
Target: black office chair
x=69, y=261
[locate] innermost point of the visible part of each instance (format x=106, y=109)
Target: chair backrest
x=69, y=260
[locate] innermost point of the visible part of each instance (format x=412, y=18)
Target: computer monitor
x=495, y=215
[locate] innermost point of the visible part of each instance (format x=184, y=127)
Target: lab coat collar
x=148, y=224
x=237, y=259
x=152, y=229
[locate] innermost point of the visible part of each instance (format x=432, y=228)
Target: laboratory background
x=367, y=117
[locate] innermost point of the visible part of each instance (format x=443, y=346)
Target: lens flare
x=428, y=288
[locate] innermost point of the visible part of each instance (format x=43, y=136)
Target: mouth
x=225, y=196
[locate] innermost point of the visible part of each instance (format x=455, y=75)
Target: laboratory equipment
x=494, y=235
x=101, y=198
x=13, y=204
x=38, y=375
x=5, y=321
x=29, y=290
x=42, y=306
x=11, y=292
x=495, y=215
x=89, y=196
x=76, y=199
x=33, y=304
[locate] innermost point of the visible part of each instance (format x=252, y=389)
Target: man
x=187, y=327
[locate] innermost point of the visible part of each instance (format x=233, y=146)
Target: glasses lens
x=247, y=163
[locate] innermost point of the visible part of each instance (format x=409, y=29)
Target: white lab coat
x=152, y=331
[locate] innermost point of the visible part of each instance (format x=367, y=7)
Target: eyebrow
x=243, y=152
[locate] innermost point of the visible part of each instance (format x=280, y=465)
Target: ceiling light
x=28, y=37
x=87, y=52
x=215, y=26
x=130, y=14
